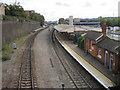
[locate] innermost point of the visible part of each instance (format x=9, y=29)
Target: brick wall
x=117, y=62
x=94, y=52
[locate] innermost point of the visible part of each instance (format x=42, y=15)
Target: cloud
x=65, y=4
x=62, y=4
x=103, y=4
x=87, y=4
x=58, y=3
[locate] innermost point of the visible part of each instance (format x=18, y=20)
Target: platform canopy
x=72, y=29
x=64, y=28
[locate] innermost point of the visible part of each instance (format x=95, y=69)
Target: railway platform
x=93, y=66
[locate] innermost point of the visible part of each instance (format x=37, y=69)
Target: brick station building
x=103, y=48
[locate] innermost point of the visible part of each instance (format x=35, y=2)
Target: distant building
x=2, y=9
x=87, y=22
x=71, y=20
x=76, y=20
x=29, y=12
x=114, y=33
x=119, y=9
x=51, y=22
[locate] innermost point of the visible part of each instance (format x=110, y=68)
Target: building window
x=91, y=47
x=111, y=56
x=111, y=61
x=100, y=53
x=106, y=58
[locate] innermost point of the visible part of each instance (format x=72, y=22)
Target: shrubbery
x=5, y=57
x=7, y=49
x=81, y=42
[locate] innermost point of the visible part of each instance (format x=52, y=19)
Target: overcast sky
x=55, y=9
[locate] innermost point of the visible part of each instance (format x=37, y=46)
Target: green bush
x=6, y=51
x=81, y=42
x=10, y=18
x=5, y=57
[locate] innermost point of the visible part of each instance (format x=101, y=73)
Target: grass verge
x=7, y=49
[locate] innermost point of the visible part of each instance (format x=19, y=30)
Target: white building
x=119, y=9
x=71, y=20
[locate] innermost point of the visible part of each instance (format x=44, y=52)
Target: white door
x=106, y=58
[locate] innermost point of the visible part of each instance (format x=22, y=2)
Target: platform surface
x=100, y=77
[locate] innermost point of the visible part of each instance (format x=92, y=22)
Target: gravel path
x=11, y=68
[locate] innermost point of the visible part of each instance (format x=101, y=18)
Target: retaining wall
x=11, y=30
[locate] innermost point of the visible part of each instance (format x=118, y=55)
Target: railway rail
x=78, y=80
x=26, y=77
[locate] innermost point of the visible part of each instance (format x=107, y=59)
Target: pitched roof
x=109, y=44
x=93, y=35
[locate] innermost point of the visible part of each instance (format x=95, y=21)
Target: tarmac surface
x=48, y=75
x=49, y=71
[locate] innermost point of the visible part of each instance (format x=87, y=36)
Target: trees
x=61, y=21
x=17, y=12
x=37, y=17
x=114, y=21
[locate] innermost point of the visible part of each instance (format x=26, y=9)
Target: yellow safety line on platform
x=102, y=75
x=89, y=64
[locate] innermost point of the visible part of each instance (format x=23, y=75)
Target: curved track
x=77, y=77
x=54, y=66
x=26, y=77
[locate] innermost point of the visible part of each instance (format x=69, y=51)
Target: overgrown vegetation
x=81, y=42
x=7, y=49
x=16, y=12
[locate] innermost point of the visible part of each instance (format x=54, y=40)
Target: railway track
x=26, y=77
x=76, y=78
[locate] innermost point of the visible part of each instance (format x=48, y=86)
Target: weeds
x=7, y=49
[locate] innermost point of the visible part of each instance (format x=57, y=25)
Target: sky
x=55, y=9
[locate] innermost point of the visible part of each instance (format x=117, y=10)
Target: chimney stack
x=104, y=27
